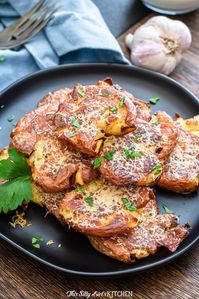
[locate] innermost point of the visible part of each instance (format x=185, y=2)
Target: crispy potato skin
x=50, y=201
x=152, y=141
x=153, y=231
x=99, y=112
x=108, y=215
x=38, y=122
x=181, y=173
x=53, y=166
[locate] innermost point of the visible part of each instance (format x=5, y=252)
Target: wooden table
x=23, y=278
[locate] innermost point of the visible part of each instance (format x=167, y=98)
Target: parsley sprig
x=129, y=205
x=154, y=100
x=158, y=169
x=89, y=200
x=36, y=241
x=17, y=187
x=113, y=109
x=122, y=101
x=75, y=122
x=109, y=155
x=98, y=161
x=2, y=58
x=154, y=120
x=130, y=153
x=167, y=210
x=81, y=93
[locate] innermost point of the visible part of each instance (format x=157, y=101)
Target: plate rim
x=110, y=274
x=115, y=273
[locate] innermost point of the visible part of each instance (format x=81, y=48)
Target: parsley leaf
x=81, y=93
x=75, y=122
x=131, y=153
x=80, y=189
x=13, y=193
x=113, y=109
x=97, y=162
x=129, y=205
x=36, y=241
x=158, y=169
x=70, y=135
x=15, y=167
x=154, y=100
x=122, y=101
x=2, y=58
x=154, y=120
x=109, y=155
x=136, y=138
x=106, y=95
x=167, y=210
x=89, y=200
x=10, y=118
x=18, y=186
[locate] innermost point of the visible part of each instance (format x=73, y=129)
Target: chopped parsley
x=97, y=162
x=10, y=118
x=158, y=169
x=75, y=122
x=113, y=109
x=89, y=200
x=70, y=135
x=154, y=100
x=136, y=138
x=80, y=189
x=2, y=58
x=109, y=155
x=167, y=210
x=105, y=94
x=81, y=93
x=36, y=241
x=129, y=205
x=122, y=101
x=131, y=153
x=17, y=187
x=154, y=120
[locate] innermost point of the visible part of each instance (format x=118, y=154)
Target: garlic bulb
x=159, y=44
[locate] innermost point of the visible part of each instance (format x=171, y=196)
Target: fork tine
x=23, y=19
x=22, y=40
x=39, y=24
x=41, y=13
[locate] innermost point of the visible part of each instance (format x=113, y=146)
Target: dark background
x=121, y=14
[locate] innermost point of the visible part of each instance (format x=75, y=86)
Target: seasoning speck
x=50, y=242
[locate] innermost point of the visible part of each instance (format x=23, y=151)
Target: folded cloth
x=77, y=33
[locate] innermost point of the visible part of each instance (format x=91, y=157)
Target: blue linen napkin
x=77, y=33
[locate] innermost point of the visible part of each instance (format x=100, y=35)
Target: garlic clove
x=129, y=40
x=148, y=55
x=159, y=44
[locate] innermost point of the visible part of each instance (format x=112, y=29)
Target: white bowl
x=172, y=7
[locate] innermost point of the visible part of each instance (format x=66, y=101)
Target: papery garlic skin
x=159, y=44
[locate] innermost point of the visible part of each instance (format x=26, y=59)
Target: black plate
x=76, y=256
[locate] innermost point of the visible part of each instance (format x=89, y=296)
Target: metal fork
x=27, y=26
